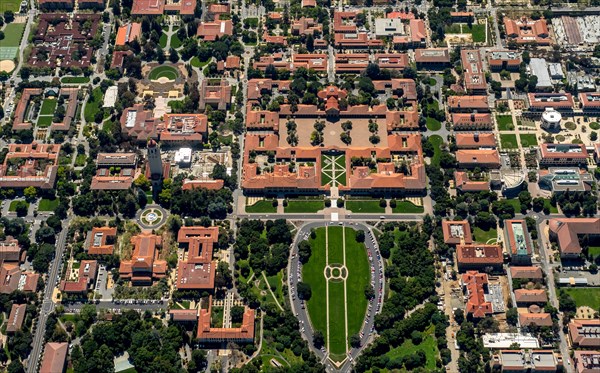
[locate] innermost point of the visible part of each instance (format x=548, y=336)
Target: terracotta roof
x=473, y=72
x=539, y=319
x=468, y=102
x=111, y=182
x=392, y=61
x=474, y=283
x=97, y=240
x=432, y=55
x=567, y=231
x=183, y=315
x=531, y=296
x=585, y=333
x=116, y=159
x=527, y=31
x=144, y=264
x=309, y=3
x=232, y=62
x=587, y=361
x=178, y=128
x=478, y=157
x=517, y=244
x=139, y=123
x=213, y=94
x=479, y=255
x=526, y=272
x=589, y=100
x=16, y=317
x=456, y=231
x=562, y=152
x=465, y=184
x=475, y=140
x=30, y=165
x=245, y=333
x=471, y=120
x=10, y=250
x=557, y=101
x=211, y=30
x=205, y=184
x=197, y=270
x=128, y=33
x=408, y=87
x=418, y=35
x=401, y=15
x=55, y=356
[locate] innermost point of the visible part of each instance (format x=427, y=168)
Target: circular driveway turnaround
x=374, y=305
x=152, y=217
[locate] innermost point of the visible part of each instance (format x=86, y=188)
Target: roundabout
x=338, y=272
x=153, y=216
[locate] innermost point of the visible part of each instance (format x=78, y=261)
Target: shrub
x=382, y=203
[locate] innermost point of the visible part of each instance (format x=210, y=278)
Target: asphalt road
x=377, y=280
x=47, y=304
x=325, y=218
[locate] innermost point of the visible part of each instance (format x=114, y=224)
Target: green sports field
x=165, y=71
x=337, y=307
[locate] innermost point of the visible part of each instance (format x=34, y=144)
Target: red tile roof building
x=306, y=26
x=144, y=265
x=472, y=121
x=158, y=7
x=101, y=240
x=10, y=250
x=351, y=62
x=584, y=333
x=471, y=158
x=475, y=140
x=432, y=58
x=590, y=101
x=183, y=129
x=392, y=61
x=556, y=101
x=537, y=319
x=518, y=242
x=128, y=33
x=61, y=40
x=534, y=273
x=566, y=231
x=457, y=232
x=525, y=297
x=473, y=73
x=316, y=61
x=347, y=35
x=401, y=15
x=139, y=123
x=87, y=276
x=197, y=270
x=464, y=183
x=15, y=318
x=479, y=256
x=28, y=165
x=468, y=104
x=208, y=334
x=210, y=31
x=205, y=184
x=475, y=286
x=115, y=171
x=526, y=31
x=217, y=10
x=504, y=60
x=12, y=278
x=20, y=122
x=218, y=96
x=562, y=155
x=587, y=361
x=55, y=357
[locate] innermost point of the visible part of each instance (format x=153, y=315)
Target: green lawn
x=436, y=141
x=478, y=32
x=433, y=124
x=80, y=160
x=481, y=236
x=13, y=32
x=162, y=41
x=358, y=278
x=304, y=206
x=195, y=61
x=528, y=139
x=406, y=207
x=516, y=204
x=553, y=209
x=505, y=122
x=48, y=204
x=365, y=206
x=175, y=41
x=508, y=141
x=44, y=121
x=13, y=206
x=75, y=80
x=339, y=163
x=48, y=107
x=164, y=71
x=264, y=206
x=312, y=273
x=94, y=105
x=428, y=346
x=12, y=5
x=357, y=265
x=585, y=296
x=594, y=251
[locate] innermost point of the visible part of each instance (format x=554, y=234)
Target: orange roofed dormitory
x=475, y=286
x=101, y=240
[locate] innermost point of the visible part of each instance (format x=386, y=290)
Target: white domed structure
x=551, y=119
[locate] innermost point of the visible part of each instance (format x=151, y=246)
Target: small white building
x=551, y=120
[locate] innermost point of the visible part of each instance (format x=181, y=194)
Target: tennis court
x=8, y=53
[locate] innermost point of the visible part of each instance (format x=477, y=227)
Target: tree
x=369, y=292
x=360, y=236
x=46, y=235
x=198, y=361
x=512, y=316
x=142, y=182
x=15, y=366
x=304, y=291
x=173, y=55
x=21, y=208
x=304, y=251
x=416, y=337
x=318, y=339
x=30, y=193
x=355, y=341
